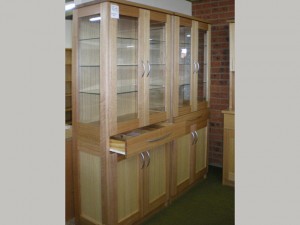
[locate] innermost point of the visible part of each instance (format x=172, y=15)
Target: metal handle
x=143, y=68
x=148, y=158
x=149, y=68
x=197, y=137
x=198, y=65
x=143, y=158
x=193, y=137
x=160, y=138
x=195, y=67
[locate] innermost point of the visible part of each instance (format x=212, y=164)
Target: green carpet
x=207, y=203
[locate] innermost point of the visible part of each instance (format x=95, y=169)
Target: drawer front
x=147, y=138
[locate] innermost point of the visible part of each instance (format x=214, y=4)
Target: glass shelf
x=88, y=39
x=89, y=66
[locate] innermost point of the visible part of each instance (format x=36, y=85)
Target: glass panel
x=89, y=69
x=157, y=66
x=127, y=50
x=201, y=93
x=184, y=66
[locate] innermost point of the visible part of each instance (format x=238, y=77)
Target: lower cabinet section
x=90, y=188
x=142, y=184
x=228, y=149
x=189, y=159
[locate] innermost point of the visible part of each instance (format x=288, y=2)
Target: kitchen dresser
x=140, y=103
x=229, y=117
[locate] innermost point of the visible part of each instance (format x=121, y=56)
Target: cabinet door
x=183, y=67
x=156, y=178
x=86, y=85
x=158, y=63
x=129, y=190
x=200, y=40
x=200, y=152
x=125, y=69
x=183, y=162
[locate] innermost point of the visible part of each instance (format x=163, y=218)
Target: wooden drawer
x=142, y=139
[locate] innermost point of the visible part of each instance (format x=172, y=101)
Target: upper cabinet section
x=231, y=46
x=132, y=64
x=140, y=83
x=191, y=65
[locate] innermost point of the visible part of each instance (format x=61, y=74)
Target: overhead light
x=95, y=19
x=188, y=35
x=69, y=6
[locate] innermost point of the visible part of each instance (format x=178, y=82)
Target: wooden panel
x=128, y=188
x=185, y=22
x=232, y=46
x=175, y=84
x=128, y=10
x=228, y=121
x=69, y=206
x=90, y=186
x=183, y=158
x=201, y=150
x=90, y=10
x=228, y=157
x=157, y=173
x=158, y=16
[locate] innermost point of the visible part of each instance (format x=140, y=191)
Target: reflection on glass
x=184, y=65
x=89, y=69
x=127, y=49
x=157, y=66
x=201, y=92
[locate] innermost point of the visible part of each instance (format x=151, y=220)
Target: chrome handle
x=195, y=67
x=148, y=158
x=198, y=66
x=193, y=137
x=197, y=137
x=149, y=68
x=143, y=158
x=160, y=138
x=144, y=68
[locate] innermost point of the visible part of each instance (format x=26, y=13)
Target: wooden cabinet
x=229, y=137
x=189, y=157
x=140, y=81
x=68, y=85
x=142, y=182
x=191, y=65
x=228, y=149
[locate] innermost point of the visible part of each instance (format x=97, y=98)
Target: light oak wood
x=228, y=149
x=183, y=158
x=69, y=192
x=201, y=150
x=90, y=186
x=128, y=188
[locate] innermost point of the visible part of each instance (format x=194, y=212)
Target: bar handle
x=144, y=68
x=160, y=138
x=143, y=158
x=149, y=158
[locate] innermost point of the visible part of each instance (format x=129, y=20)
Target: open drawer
x=139, y=140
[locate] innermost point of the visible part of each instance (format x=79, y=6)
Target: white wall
x=181, y=6
x=68, y=34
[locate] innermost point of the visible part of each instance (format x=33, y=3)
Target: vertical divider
x=208, y=61
x=194, y=58
x=175, y=100
x=146, y=50
x=141, y=60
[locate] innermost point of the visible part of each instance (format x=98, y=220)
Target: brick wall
x=217, y=12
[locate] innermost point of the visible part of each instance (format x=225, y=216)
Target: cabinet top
x=141, y=6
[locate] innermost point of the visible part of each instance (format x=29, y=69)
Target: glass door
x=157, y=68
x=89, y=69
x=127, y=69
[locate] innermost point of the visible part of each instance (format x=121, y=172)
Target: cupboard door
x=183, y=68
x=90, y=188
x=156, y=178
x=125, y=69
x=158, y=63
x=86, y=85
x=200, y=63
x=129, y=190
x=183, y=162
x=200, y=152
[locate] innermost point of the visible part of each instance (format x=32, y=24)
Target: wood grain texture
x=90, y=186
x=69, y=187
x=201, y=150
x=183, y=158
x=128, y=188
